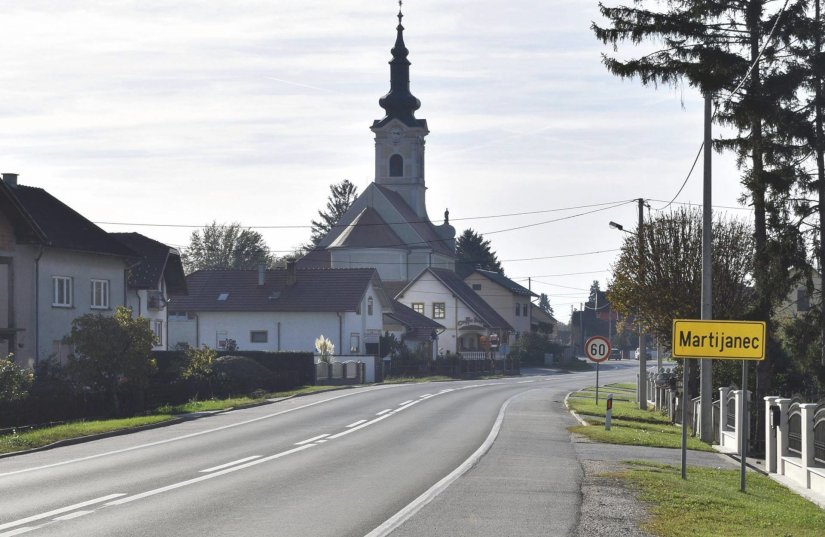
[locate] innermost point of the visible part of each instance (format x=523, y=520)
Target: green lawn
x=709, y=503
x=30, y=439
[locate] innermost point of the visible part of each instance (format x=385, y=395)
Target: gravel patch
x=609, y=507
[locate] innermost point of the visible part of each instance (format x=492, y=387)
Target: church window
x=396, y=166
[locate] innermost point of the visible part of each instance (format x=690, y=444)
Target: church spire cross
x=399, y=103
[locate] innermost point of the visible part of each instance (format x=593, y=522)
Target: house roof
x=464, y=292
x=505, y=282
x=39, y=217
x=367, y=230
x=314, y=290
x=418, y=326
x=157, y=261
x=538, y=315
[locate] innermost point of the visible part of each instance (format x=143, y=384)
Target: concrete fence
x=795, y=441
x=731, y=419
x=349, y=372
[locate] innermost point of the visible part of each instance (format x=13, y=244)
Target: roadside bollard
x=609, y=414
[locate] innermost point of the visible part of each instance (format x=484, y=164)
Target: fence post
x=723, y=408
x=782, y=433
x=770, y=435
x=807, y=414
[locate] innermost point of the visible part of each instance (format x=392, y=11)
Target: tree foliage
x=15, y=381
x=341, y=196
x=225, y=246
x=671, y=284
x=109, y=351
x=544, y=304
x=474, y=251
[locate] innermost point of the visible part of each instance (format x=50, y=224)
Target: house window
x=358, y=309
x=369, y=305
x=396, y=166
x=354, y=343
x=476, y=287
x=439, y=310
x=418, y=307
x=518, y=309
x=100, y=294
x=258, y=336
x=62, y=296
x=157, y=328
x=802, y=301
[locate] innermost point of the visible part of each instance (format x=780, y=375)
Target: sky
x=161, y=116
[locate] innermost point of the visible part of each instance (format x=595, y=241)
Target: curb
x=575, y=414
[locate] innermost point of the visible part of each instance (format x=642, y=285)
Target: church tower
x=399, y=136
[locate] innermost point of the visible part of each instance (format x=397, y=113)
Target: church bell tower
x=399, y=136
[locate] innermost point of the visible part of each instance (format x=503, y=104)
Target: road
x=378, y=460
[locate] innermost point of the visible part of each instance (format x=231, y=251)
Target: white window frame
x=369, y=305
x=418, y=307
x=157, y=328
x=439, y=310
x=66, y=284
x=100, y=302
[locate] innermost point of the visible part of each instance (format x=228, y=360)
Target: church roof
x=423, y=227
x=367, y=230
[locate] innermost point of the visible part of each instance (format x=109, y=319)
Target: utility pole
x=642, y=354
x=706, y=371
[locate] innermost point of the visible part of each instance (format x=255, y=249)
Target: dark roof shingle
x=157, y=260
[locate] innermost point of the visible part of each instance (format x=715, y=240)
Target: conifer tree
x=474, y=251
x=341, y=196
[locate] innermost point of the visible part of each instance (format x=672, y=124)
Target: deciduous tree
x=225, y=246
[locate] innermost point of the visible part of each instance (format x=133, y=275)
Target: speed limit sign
x=597, y=349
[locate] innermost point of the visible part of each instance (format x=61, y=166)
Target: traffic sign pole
x=597, y=350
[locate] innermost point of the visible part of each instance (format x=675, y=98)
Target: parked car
x=615, y=354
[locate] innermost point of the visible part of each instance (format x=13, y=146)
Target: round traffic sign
x=597, y=349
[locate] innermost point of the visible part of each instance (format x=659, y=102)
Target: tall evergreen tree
x=474, y=251
x=341, y=196
x=716, y=46
x=544, y=304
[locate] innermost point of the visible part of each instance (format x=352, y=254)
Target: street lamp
x=642, y=385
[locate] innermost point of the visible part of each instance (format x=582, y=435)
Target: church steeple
x=399, y=102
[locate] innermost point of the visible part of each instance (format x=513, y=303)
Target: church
x=387, y=228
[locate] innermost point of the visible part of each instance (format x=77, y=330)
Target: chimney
x=291, y=277
x=261, y=274
x=10, y=179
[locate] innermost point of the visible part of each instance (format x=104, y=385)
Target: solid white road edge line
x=70, y=516
x=20, y=531
x=416, y=505
x=59, y=511
x=228, y=464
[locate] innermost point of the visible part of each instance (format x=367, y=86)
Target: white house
x=280, y=310
x=55, y=265
x=158, y=273
x=469, y=321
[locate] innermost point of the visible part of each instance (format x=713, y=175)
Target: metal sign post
x=597, y=350
x=720, y=340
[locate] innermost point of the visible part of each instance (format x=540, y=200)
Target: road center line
x=188, y=482
x=228, y=464
x=58, y=511
x=310, y=440
x=70, y=516
x=359, y=422
x=359, y=427
x=383, y=412
x=20, y=531
x=407, y=402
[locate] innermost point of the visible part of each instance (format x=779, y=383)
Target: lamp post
x=642, y=354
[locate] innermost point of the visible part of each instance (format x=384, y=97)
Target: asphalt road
x=456, y=458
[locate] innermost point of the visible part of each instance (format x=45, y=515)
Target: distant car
x=636, y=354
x=615, y=354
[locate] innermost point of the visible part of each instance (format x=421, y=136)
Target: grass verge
x=709, y=503
x=630, y=425
x=412, y=380
x=30, y=439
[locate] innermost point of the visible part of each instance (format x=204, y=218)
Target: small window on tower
x=396, y=166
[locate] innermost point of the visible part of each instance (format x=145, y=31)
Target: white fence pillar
x=770, y=435
x=807, y=413
x=723, y=408
x=782, y=430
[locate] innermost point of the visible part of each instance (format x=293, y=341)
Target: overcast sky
x=177, y=113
